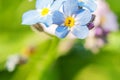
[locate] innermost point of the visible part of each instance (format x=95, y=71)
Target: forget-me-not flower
x=43, y=12
x=72, y=20
x=90, y=4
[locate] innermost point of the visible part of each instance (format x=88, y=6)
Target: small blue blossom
x=72, y=20
x=43, y=12
x=90, y=4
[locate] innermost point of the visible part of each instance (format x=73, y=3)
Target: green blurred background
x=48, y=63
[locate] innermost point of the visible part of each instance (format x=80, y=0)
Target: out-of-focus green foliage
x=114, y=5
x=45, y=64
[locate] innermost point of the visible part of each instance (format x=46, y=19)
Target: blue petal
x=47, y=20
x=43, y=3
x=58, y=18
x=81, y=3
x=31, y=17
x=62, y=31
x=57, y=4
x=83, y=17
x=80, y=31
x=90, y=4
x=70, y=7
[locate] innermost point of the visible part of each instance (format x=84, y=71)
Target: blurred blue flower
x=72, y=20
x=90, y=4
x=43, y=12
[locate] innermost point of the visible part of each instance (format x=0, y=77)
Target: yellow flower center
x=103, y=20
x=45, y=11
x=69, y=22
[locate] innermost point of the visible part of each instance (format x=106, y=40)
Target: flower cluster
x=105, y=23
x=70, y=16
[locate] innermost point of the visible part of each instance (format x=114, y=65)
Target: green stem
x=46, y=60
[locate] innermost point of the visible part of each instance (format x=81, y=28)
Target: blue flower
x=90, y=4
x=43, y=12
x=72, y=20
